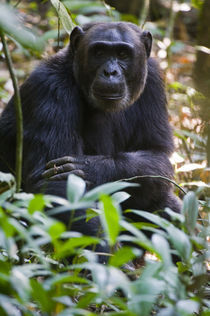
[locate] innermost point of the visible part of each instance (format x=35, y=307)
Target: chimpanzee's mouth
x=108, y=96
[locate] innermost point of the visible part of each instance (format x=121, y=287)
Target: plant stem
x=171, y=21
x=18, y=112
x=152, y=176
x=144, y=13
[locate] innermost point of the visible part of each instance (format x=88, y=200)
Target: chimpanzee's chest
x=106, y=134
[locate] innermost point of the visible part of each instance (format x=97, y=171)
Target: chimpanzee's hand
x=61, y=168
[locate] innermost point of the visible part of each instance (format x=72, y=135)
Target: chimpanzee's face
x=110, y=63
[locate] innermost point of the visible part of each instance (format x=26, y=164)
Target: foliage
x=63, y=15
x=11, y=26
x=37, y=275
x=46, y=269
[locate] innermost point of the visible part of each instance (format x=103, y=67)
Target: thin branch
x=158, y=177
x=144, y=13
x=18, y=112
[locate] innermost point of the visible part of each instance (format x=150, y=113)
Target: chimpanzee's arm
x=100, y=169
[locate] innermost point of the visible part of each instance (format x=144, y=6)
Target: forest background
x=33, y=279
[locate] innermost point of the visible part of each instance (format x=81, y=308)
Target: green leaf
x=41, y=296
x=180, y=241
x=174, y=215
x=120, y=197
x=10, y=306
x=108, y=279
x=110, y=219
x=162, y=246
x=107, y=188
x=69, y=247
x=190, y=211
x=124, y=255
x=91, y=213
x=187, y=307
x=36, y=204
x=63, y=15
x=86, y=299
x=5, y=225
x=178, y=238
x=7, y=177
x=7, y=184
x=197, y=4
x=75, y=188
x=140, y=239
x=11, y=26
x=145, y=293
x=56, y=230
x=182, y=267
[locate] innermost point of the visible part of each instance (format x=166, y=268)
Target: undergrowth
x=37, y=277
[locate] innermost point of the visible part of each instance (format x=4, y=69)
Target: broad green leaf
x=145, y=294
x=7, y=194
x=10, y=25
x=120, y=197
x=178, y=238
x=190, y=211
x=7, y=184
x=107, y=188
x=162, y=222
x=174, y=215
x=140, y=239
x=188, y=167
x=64, y=277
x=10, y=306
x=162, y=246
x=108, y=279
x=36, y=204
x=124, y=255
x=56, y=230
x=41, y=296
x=187, y=307
x=19, y=277
x=86, y=299
x=75, y=188
x=110, y=219
x=180, y=242
x=7, y=177
x=91, y=213
x=63, y=15
x=68, y=247
x=5, y=225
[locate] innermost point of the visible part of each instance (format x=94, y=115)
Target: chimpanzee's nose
x=109, y=73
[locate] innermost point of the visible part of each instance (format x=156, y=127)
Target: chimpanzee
x=96, y=109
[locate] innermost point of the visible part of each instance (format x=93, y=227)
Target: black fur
x=59, y=120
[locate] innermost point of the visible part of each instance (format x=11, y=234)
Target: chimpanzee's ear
x=75, y=36
x=146, y=38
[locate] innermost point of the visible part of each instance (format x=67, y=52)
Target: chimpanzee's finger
x=62, y=161
x=58, y=170
x=64, y=176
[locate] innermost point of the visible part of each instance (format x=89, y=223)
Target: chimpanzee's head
x=110, y=63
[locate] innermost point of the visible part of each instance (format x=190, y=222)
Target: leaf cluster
x=47, y=269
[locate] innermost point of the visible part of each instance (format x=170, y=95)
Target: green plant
x=36, y=276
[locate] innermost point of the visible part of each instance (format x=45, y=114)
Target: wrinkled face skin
x=110, y=63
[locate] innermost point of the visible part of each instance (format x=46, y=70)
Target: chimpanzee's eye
x=98, y=52
x=123, y=54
